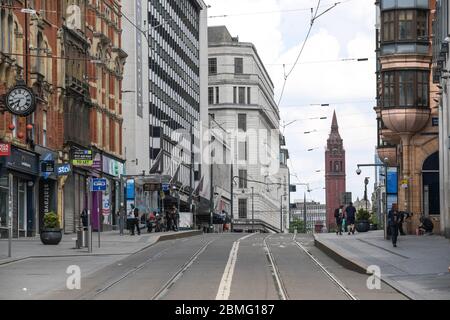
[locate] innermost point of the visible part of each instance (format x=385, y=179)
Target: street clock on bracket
x=20, y=101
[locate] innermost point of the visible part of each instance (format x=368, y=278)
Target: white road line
x=225, y=284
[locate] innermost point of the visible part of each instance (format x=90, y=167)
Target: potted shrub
x=362, y=220
x=51, y=233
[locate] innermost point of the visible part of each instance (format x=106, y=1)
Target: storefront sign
x=130, y=189
x=5, y=149
x=392, y=181
x=82, y=158
x=23, y=161
x=64, y=169
x=150, y=187
x=112, y=167
x=48, y=166
x=435, y=122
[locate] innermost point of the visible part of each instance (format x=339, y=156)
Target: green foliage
x=298, y=225
x=362, y=215
x=51, y=221
x=374, y=219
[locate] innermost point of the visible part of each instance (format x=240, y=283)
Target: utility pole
x=253, y=210
x=304, y=212
x=10, y=214
x=281, y=214
x=231, y=196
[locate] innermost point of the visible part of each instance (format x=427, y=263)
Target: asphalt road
x=225, y=266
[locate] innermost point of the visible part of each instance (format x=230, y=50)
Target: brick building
x=335, y=177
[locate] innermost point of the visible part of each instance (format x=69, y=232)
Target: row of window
x=238, y=66
x=241, y=95
x=404, y=25
x=406, y=88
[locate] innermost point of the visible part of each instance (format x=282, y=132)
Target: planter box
x=362, y=226
x=51, y=236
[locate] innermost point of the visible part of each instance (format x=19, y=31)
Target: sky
x=278, y=29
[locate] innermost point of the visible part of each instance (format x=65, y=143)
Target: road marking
x=280, y=287
x=225, y=284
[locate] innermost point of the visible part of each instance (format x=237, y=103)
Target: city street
x=206, y=267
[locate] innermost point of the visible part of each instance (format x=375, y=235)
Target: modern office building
x=241, y=100
x=408, y=117
x=441, y=66
x=178, y=113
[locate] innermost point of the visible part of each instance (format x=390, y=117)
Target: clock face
x=20, y=101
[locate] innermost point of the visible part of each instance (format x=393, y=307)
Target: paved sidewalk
x=111, y=243
x=418, y=267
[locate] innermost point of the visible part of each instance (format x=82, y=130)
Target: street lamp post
x=366, y=182
x=385, y=166
x=253, y=210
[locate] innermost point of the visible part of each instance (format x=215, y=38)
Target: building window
x=235, y=95
x=406, y=88
x=44, y=129
x=211, y=95
x=404, y=26
x=238, y=65
x=242, y=179
x=249, y=100
x=242, y=208
x=217, y=95
x=243, y=150
x=241, y=95
x=242, y=122
x=212, y=66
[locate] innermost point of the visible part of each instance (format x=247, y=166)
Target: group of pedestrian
x=155, y=220
x=345, y=219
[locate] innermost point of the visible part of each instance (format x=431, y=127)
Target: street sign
x=48, y=166
x=82, y=158
x=165, y=187
x=64, y=169
x=98, y=185
x=5, y=149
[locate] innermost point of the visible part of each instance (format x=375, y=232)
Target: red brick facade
x=334, y=172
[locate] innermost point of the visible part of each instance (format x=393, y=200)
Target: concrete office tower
x=241, y=100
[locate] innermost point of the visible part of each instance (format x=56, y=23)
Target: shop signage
x=98, y=184
x=435, y=122
x=23, y=161
x=5, y=149
x=130, y=189
x=106, y=208
x=64, y=169
x=112, y=167
x=48, y=166
x=150, y=187
x=82, y=158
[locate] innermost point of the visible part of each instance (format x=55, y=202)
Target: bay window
x=406, y=88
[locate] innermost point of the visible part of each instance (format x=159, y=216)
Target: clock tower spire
x=335, y=177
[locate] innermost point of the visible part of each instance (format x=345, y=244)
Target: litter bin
x=82, y=241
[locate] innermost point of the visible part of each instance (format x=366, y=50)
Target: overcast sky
x=278, y=29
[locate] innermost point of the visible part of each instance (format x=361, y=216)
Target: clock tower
x=334, y=172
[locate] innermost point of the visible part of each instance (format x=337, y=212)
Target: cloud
x=346, y=31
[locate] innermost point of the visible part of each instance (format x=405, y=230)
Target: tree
x=298, y=225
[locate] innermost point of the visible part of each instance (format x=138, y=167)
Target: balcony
x=389, y=153
x=405, y=121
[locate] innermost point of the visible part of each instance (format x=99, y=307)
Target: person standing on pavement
x=121, y=215
x=339, y=216
x=136, y=219
x=350, y=213
x=130, y=220
x=393, y=222
x=84, y=218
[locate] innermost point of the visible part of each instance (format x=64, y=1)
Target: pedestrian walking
x=130, y=220
x=393, y=223
x=339, y=216
x=84, y=218
x=121, y=217
x=136, y=219
x=350, y=216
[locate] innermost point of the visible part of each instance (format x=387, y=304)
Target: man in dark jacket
x=394, y=218
x=350, y=216
x=84, y=218
x=136, y=219
x=339, y=216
